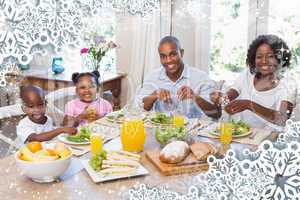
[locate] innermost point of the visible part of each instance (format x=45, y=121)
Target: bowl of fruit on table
x=43, y=162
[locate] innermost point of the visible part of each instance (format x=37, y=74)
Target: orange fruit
x=34, y=146
x=52, y=152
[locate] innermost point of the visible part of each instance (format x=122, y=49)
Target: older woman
x=261, y=95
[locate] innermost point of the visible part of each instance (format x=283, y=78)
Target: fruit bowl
x=41, y=167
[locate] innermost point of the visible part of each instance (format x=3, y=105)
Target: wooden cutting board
x=188, y=165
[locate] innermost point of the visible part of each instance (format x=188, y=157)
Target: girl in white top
x=261, y=96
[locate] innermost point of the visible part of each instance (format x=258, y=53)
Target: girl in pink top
x=87, y=107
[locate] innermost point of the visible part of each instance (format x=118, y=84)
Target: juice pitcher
x=133, y=134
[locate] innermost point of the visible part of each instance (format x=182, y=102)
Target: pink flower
x=84, y=50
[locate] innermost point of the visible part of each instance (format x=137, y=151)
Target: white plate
x=120, y=120
x=63, y=138
x=98, y=177
x=106, y=132
x=217, y=133
x=212, y=130
x=115, y=117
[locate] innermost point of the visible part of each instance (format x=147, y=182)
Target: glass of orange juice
x=91, y=112
x=225, y=133
x=178, y=120
x=133, y=135
x=96, y=144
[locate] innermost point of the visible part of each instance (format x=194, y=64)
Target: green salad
x=115, y=116
x=83, y=135
x=96, y=160
x=163, y=136
x=238, y=128
x=161, y=118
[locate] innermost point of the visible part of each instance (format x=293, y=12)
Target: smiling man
x=176, y=86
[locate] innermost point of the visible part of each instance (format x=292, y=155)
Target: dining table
x=77, y=184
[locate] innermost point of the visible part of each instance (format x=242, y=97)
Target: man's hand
x=237, y=106
x=163, y=95
x=185, y=92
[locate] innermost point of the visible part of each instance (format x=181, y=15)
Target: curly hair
x=276, y=44
x=94, y=74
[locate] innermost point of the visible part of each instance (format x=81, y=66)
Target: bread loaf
x=174, y=152
x=202, y=150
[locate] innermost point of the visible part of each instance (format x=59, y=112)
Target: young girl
x=261, y=95
x=37, y=126
x=87, y=107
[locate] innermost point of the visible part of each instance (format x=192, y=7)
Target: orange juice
x=91, y=112
x=178, y=120
x=133, y=135
x=96, y=144
x=225, y=133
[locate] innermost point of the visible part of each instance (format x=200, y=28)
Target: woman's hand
x=237, y=106
x=216, y=97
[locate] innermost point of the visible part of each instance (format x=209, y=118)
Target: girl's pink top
x=76, y=107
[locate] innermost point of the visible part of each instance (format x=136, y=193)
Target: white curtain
x=138, y=39
x=191, y=25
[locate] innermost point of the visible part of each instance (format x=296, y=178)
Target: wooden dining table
x=78, y=185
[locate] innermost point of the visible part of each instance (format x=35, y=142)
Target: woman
x=261, y=94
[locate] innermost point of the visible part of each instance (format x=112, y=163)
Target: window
x=228, y=40
x=284, y=21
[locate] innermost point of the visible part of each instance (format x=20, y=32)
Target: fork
x=205, y=126
x=252, y=136
x=195, y=125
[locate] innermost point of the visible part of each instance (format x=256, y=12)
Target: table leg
x=116, y=98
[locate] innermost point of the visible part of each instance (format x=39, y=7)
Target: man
x=175, y=86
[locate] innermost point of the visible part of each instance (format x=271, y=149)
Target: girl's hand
x=93, y=117
x=90, y=114
x=237, y=106
x=84, y=115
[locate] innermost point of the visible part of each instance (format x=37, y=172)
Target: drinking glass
x=225, y=133
x=225, y=124
x=96, y=144
x=178, y=120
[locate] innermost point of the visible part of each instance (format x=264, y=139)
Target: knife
x=192, y=163
x=77, y=148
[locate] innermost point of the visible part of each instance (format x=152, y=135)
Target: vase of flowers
x=97, y=49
